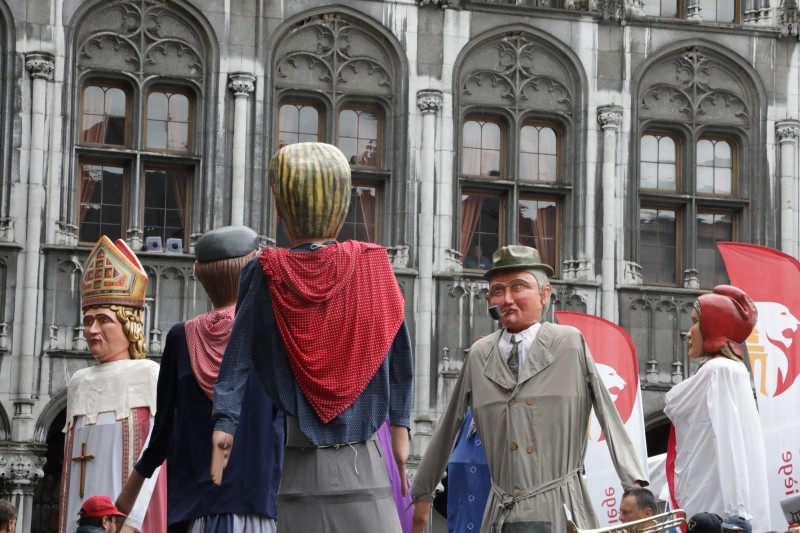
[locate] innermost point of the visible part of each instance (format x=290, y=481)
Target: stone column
x=610, y=118
x=40, y=67
x=787, y=132
x=429, y=102
x=20, y=471
x=693, y=10
x=242, y=85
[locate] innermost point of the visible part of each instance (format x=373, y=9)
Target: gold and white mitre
x=113, y=275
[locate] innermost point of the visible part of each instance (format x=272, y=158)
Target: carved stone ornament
x=429, y=100
x=789, y=19
x=518, y=71
x=609, y=116
x=241, y=84
x=611, y=10
x=40, y=65
x=695, y=87
x=330, y=52
x=787, y=131
x=21, y=468
x=145, y=36
x=444, y=4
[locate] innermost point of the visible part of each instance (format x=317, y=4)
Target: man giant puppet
x=110, y=406
x=323, y=324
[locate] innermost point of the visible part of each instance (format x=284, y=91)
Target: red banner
x=772, y=279
x=615, y=358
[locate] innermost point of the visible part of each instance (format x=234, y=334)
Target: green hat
x=516, y=258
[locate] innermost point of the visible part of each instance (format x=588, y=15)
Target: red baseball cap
x=98, y=507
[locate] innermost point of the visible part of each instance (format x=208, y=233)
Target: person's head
x=311, y=185
x=8, y=517
x=221, y=255
x=637, y=503
x=721, y=322
x=99, y=511
x=113, y=287
x=704, y=523
x=736, y=523
x=519, y=285
x=477, y=251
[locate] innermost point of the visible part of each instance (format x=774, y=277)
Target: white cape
x=720, y=463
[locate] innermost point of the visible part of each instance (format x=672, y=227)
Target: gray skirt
x=336, y=489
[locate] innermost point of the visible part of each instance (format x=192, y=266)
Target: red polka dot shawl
x=338, y=310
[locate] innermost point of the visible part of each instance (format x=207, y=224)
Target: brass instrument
x=663, y=522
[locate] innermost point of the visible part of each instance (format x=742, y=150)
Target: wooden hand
x=400, y=450
x=222, y=443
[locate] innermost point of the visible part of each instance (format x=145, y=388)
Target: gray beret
x=224, y=243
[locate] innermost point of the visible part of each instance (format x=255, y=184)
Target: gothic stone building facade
x=622, y=138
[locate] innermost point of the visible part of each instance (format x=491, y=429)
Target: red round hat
x=727, y=316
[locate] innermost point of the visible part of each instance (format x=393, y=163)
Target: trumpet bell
x=652, y=524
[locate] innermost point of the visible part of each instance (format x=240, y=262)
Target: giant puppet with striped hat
x=111, y=404
x=323, y=324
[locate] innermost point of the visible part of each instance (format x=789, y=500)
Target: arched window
x=351, y=108
x=516, y=121
x=691, y=147
x=137, y=159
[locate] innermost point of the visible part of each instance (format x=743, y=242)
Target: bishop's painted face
x=104, y=335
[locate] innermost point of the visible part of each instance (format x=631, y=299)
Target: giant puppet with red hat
x=717, y=457
x=111, y=404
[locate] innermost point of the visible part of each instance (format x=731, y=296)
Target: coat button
x=512, y=402
x=513, y=446
x=529, y=401
x=529, y=449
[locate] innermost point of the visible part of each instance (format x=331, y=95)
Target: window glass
x=714, y=167
x=480, y=226
x=661, y=8
x=538, y=154
x=658, y=163
x=358, y=137
x=103, y=118
x=481, y=148
x=298, y=123
x=168, y=121
x=165, y=203
x=537, y=220
x=101, y=202
x=658, y=245
x=712, y=228
x=361, y=222
x=718, y=10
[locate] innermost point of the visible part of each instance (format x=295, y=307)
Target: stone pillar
x=242, y=85
x=610, y=118
x=429, y=102
x=20, y=471
x=40, y=67
x=693, y=11
x=787, y=132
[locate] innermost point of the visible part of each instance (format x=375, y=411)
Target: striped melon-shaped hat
x=311, y=182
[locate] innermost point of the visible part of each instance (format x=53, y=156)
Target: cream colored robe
x=534, y=431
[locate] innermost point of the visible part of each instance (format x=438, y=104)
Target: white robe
x=720, y=463
x=101, y=408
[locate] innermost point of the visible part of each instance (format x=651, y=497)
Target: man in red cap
x=97, y=515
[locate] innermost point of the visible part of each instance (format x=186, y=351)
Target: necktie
x=513, y=357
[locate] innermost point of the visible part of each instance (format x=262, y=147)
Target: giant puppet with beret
x=111, y=405
x=193, y=351
x=323, y=324
x=717, y=452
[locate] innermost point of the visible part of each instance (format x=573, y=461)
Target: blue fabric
x=182, y=429
x=468, y=482
x=256, y=342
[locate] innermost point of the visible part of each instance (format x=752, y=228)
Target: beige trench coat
x=534, y=431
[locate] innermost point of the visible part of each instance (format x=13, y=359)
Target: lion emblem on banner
x=615, y=385
x=773, y=354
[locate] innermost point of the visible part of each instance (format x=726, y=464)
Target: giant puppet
x=323, y=324
x=111, y=405
x=718, y=463
x=193, y=351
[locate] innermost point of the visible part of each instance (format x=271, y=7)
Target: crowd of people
x=269, y=405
